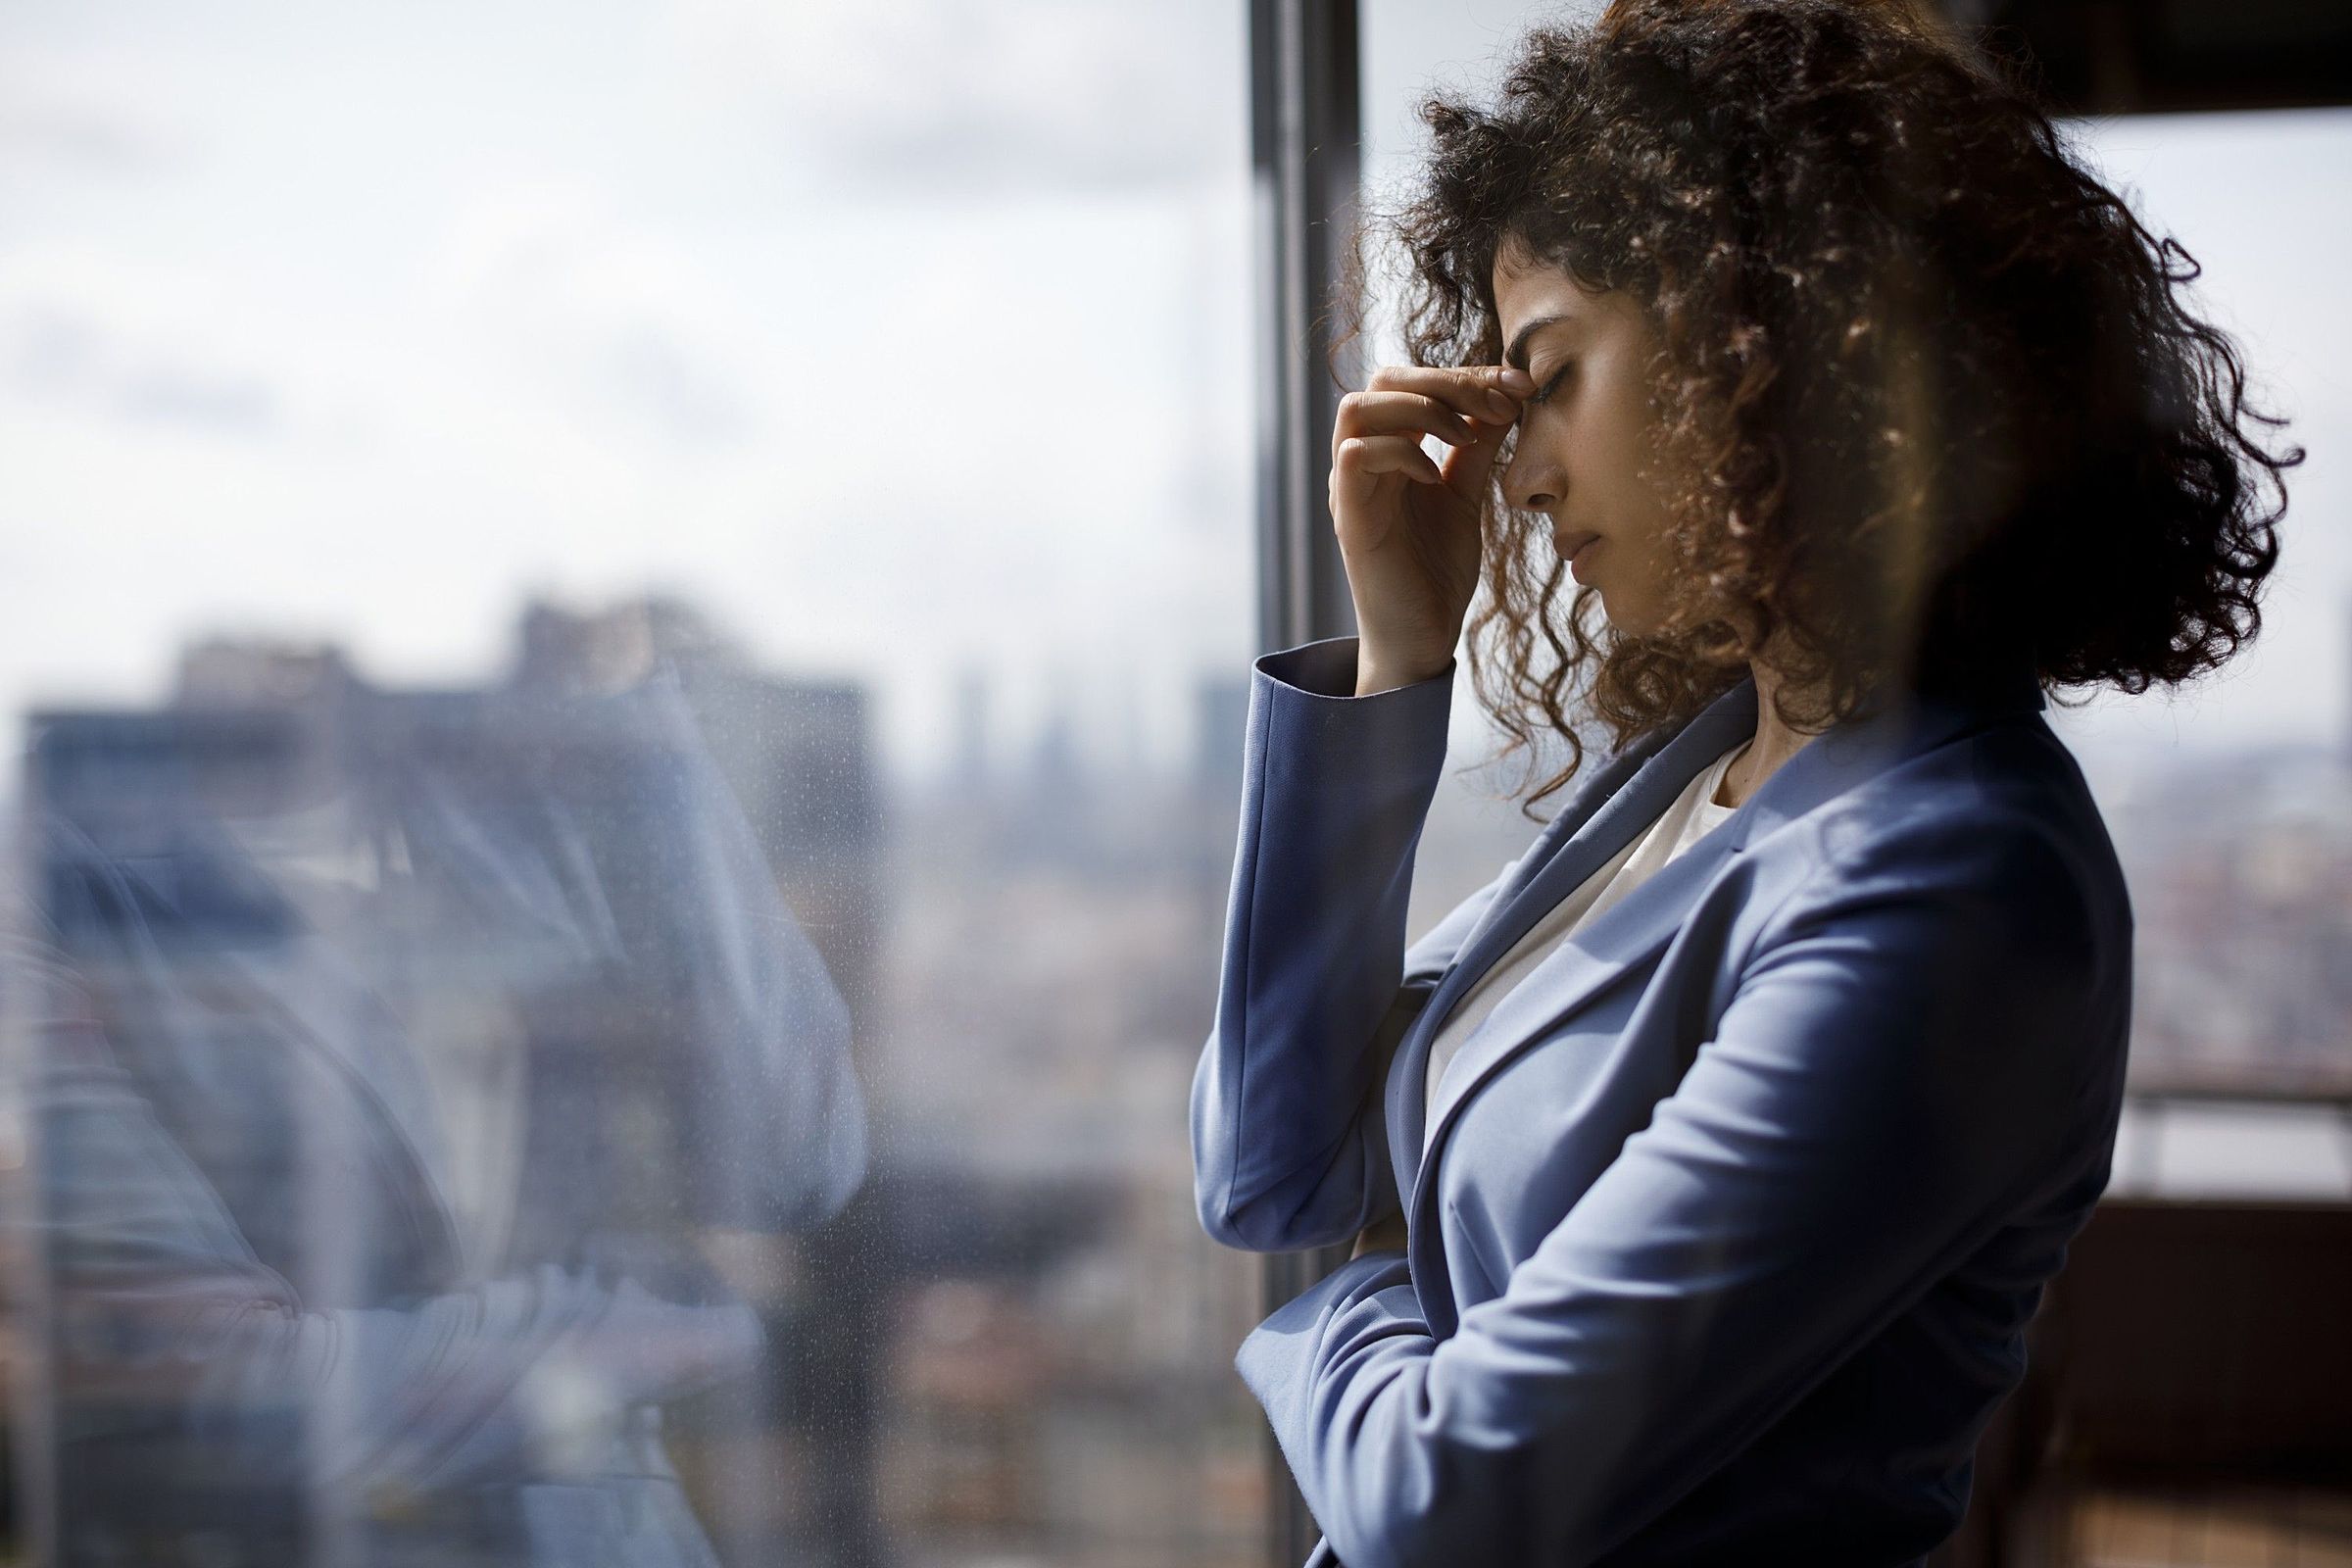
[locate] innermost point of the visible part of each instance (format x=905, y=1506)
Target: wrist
x=1383, y=673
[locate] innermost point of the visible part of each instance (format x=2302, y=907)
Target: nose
x=1530, y=483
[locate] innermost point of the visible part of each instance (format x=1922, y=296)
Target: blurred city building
x=998, y=1339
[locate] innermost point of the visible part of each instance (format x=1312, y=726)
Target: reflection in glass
x=421, y=954
x=402, y=1072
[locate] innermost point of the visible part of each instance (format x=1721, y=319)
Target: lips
x=1573, y=546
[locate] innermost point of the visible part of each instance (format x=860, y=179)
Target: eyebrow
x=1516, y=355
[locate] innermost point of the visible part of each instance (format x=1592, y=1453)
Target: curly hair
x=1933, y=408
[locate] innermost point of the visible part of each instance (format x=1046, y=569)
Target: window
x=2227, y=804
x=624, y=632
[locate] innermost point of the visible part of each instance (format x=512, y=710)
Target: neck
x=1775, y=742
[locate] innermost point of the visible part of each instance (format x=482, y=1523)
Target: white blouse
x=1686, y=819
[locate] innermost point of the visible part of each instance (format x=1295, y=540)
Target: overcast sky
x=362, y=322
x=905, y=335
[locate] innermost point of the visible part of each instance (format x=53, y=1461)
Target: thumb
x=1466, y=469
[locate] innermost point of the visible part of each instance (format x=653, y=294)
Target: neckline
x=1716, y=774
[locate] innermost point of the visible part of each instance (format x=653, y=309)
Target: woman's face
x=1586, y=432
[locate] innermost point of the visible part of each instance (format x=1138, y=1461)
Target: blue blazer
x=1737, y=1206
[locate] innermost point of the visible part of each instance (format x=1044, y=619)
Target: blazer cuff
x=1328, y=669
x=1390, y=742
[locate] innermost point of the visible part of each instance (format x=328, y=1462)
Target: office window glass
x=625, y=644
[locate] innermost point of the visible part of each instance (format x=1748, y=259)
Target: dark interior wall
x=2111, y=57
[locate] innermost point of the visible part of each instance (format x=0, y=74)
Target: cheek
x=1626, y=424
x=1583, y=441
x=1647, y=482
x=1611, y=469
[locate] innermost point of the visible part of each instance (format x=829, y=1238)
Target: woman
x=1707, y=1166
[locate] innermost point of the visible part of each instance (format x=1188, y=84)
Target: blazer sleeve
x=1290, y=1148
x=1900, y=1064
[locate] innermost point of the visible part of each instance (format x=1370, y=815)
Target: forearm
x=1336, y=790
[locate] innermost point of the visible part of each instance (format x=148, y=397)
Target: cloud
x=618, y=319
x=187, y=395
x=88, y=115
x=958, y=96
x=129, y=346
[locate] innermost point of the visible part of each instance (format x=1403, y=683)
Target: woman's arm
x=1901, y=1063
x=1290, y=1148
x=149, y=1286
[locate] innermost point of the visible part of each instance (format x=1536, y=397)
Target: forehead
x=1539, y=302
x=1527, y=287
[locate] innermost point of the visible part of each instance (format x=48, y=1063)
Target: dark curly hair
x=1933, y=408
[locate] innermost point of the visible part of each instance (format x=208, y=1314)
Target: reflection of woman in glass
x=1707, y=1166
x=378, y=1137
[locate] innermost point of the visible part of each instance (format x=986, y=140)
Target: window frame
x=1306, y=131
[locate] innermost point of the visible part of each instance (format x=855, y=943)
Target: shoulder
x=1990, y=842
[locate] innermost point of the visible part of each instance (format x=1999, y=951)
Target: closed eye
x=1543, y=393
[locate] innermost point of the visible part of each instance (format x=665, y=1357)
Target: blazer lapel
x=1402, y=1101
x=1645, y=921
x=1621, y=799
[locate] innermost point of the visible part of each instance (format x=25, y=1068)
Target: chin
x=1627, y=622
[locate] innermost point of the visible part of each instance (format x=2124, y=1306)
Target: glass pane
x=626, y=629
x=2230, y=806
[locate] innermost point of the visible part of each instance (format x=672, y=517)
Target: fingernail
x=1515, y=379
x=1504, y=409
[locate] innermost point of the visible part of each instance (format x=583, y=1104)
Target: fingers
x=1375, y=412
x=1467, y=468
x=1363, y=458
x=1486, y=392
x=1379, y=430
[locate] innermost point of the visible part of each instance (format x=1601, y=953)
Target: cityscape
x=865, y=1093
x=931, y=1137
x=627, y=686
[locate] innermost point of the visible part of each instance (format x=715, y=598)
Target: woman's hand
x=1382, y=1235
x=1408, y=526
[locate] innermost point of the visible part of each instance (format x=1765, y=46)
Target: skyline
x=522, y=312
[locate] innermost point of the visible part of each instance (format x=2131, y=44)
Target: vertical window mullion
x=1305, y=129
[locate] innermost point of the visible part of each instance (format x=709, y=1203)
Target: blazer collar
x=1624, y=797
